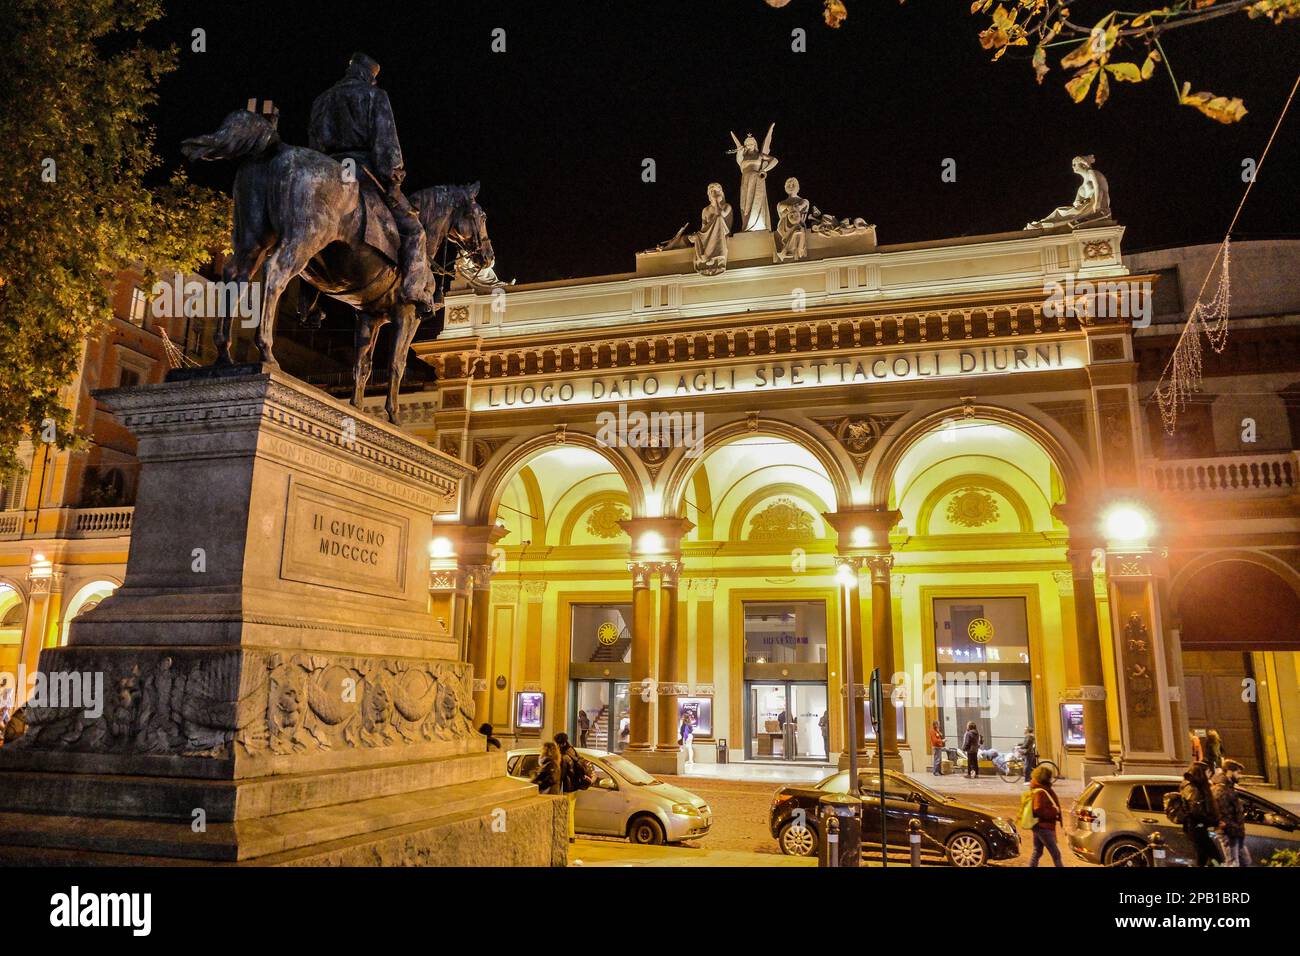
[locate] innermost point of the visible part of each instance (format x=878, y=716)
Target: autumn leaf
x=1103, y=89
x=1125, y=72
x=1275, y=10
x=834, y=13
x=1081, y=82
x=1150, y=65
x=1222, y=109
x=1041, y=68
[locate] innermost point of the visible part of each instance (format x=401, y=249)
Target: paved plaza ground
x=740, y=795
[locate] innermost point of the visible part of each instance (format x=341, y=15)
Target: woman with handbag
x=1046, y=810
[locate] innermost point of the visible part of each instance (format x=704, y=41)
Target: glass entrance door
x=599, y=715
x=787, y=720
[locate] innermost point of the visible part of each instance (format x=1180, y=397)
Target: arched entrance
x=981, y=595
x=1232, y=612
x=766, y=648
x=561, y=614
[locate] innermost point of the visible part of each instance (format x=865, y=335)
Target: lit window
x=139, y=303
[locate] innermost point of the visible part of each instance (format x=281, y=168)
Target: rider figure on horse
x=353, y=119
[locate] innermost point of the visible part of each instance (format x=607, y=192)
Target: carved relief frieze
x=252, y=703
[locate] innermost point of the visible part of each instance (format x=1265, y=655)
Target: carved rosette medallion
x=784, y=521
x=603, y=521
x=972, y=508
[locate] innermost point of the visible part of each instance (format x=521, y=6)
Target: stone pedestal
x=268, y=685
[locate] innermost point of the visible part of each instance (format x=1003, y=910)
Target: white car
x=626, y=801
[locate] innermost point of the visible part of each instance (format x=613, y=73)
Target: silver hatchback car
x=1114, y=817
x=626, y=801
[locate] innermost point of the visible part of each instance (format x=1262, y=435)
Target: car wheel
x=798, y=839
x=967, y=849
x=646, y=830
x=1125, y=853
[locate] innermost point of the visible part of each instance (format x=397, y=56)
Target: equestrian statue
x=335, y=214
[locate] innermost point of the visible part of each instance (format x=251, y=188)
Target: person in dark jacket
x=1029, y=747
x=573, y=769
x=1047, y=808
x=354, y=120
x=970, y=743
x=549, y=770
x=1231, y=811
x=1213, y=751
x=492, y=742
x=1201, y=814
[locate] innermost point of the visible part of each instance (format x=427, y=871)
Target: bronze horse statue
x=300, y=212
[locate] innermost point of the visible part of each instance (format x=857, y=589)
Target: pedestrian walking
x=686, y=735
x=575, y=776
x=936, y=744
x=549, y=776
x=1198, y=753
x=584, y=728
x=1029, y=748
x=1047, y=813
x=492, y=742
x=1195, y=810
x=1213, y=750
x=970, y=743
x=1231, y=811
x=825, y=725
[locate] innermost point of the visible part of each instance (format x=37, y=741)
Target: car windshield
x=630, y=771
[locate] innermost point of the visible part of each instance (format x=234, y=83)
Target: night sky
x=556, y=128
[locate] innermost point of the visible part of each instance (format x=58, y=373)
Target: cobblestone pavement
x=740, y=811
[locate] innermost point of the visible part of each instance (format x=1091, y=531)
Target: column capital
x=479, y=574
x=642, y=573
x=670, y=574
x=534, y=591
x=879, y=565
x=449, y=579
x=1064, y=583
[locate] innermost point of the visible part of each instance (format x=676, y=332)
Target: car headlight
x=685, y=810
x=1005, y=826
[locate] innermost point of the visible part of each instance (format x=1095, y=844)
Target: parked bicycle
x=1014, y=768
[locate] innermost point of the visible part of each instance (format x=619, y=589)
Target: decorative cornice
x=242, y=401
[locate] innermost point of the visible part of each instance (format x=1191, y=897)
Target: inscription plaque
x=338, y=542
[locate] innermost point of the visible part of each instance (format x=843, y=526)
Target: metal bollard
x=914, y=839
x=832, y=841
x=1156, y=844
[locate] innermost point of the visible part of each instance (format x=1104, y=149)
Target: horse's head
x=468, y=226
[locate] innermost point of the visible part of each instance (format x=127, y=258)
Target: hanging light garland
x=1183, y=372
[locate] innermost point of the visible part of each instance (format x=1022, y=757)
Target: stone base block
x=497, y=821
x=658, y=761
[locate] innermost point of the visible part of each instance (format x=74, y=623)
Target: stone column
x=855, y=677
x=1146, y=721
x=1092, y=682
x=656, y=543
x=480, y=626
x=672, y=663
x=44, y=585
x=882, y=645
x=641, y=686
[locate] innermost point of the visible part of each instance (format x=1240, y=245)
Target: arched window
x=87, y=597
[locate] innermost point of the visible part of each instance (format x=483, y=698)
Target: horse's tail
x=242, y=134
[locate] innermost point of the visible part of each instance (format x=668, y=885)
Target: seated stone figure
x=791, y=224
x=1091, y=201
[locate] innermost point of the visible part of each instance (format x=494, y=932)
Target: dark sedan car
x=965, y=834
